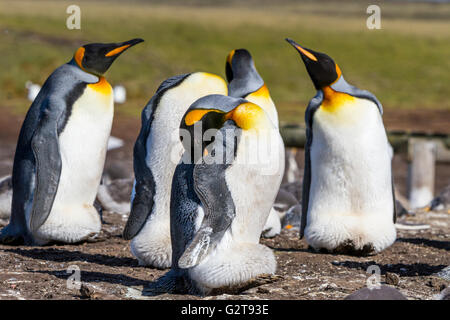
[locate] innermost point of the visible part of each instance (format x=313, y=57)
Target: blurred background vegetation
x=406, y=64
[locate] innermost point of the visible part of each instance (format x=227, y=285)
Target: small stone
x=444, y=273
x=436, y=283
x=96, y=296
x=392, y=278
x=262, y=290
x=85, y=292
x=328, y=286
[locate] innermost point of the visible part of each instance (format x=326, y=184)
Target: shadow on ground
x=61, y=255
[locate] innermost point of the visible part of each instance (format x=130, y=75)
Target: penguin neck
x=74, y=63
x=333, y=99
x=102, y=86
x=262, y=98
x=98, y=83
x=262, y=92
x=245, y=83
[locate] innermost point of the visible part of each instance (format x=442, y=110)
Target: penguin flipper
x=45, y=146
x=212, y=190
x=144, y=188
x=313, y=105
x=393, y=199
x=305, y=189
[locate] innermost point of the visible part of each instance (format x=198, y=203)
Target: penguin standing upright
x=245, y=82
x=219, y=199
x=61, y=151
x=348, y=199
x=157, y=151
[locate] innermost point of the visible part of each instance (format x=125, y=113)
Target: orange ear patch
x=338, y=71
x=79, y=54
x=196, y=115
x=230, y=57
x=116, y=50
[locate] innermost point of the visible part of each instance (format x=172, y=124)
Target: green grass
x=406, y=64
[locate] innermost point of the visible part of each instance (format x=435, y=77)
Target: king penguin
x=61, y=150
x=219, y=199
x=244, y=81
x=157, y=152
x=348, y=199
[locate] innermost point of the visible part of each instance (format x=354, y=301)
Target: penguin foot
x=172, y=282
x=12, y=240
x=13, y=236
x=252, y=283
x=348, y=248
x=154, y=289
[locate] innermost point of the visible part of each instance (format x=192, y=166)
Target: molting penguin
x=220, y=200
x=157, y=152
x=61, y=151
x=245, y=82
x=348, y=199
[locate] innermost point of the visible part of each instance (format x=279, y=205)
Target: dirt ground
x=109, y=271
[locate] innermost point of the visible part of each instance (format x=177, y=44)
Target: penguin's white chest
x=253, y=179
x=83, y=145
x=350, y=163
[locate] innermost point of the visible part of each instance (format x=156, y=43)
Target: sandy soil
x=108, y=270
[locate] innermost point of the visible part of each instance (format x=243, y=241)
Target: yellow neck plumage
x=102, y=86
x=332, y=100
x=248, y=116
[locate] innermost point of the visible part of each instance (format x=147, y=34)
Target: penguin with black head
x=157, y=152
x=245, y=82
x=348, y=202
x=61, y=151
x=219, y=199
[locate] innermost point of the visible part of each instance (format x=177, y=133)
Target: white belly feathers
x=82, y=144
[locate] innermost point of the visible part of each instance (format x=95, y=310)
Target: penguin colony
x=208, y=164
